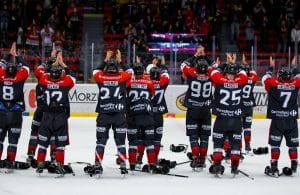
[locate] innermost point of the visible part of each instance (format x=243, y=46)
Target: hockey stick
x=181, y=163
x=169, y=174
x=246, y=175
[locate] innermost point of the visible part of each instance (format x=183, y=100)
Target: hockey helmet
x=231, y=69
x=284, y=75
x=201, y=66
x=11, y=69
x=138, y=70
x=246, y=68
x=111, y=67
x=55, y=73
x=155, y=73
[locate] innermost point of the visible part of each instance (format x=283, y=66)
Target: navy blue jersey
x=282, y=97
x=228, y=94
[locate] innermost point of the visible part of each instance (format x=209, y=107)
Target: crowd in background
x=275, y=22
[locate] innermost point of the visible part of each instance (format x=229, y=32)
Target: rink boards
x=83, y=100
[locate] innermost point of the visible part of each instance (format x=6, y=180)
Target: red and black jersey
x=11, y=89
x=112, y=91
x=199, y=93
x=282, y=97
x=159, y=104
x=139, y=94
x=228, y=93
x=38, y=72
x=56, y=93
x=248, y=97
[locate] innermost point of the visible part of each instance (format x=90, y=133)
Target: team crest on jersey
x=53, y=86
x=179, y=102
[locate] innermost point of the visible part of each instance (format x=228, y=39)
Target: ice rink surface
x=82, y=135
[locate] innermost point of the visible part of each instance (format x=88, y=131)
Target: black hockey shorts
x=230, y=128
x=247, y=118
x=11, y=124
x=140, y=127
x=158, y=126
x=53, y=124
x=36, y=121
x=198, y=122
x=116, y=121
x=284, y=128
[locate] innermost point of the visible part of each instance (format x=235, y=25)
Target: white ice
x=82, y=135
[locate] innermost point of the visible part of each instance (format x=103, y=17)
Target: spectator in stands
x=53, y=21
x=264, y=32
x=216, y=28
x=108, y=26
x=4, y=18
x=33, y=38
x=129, y=30
x=75, y=18
x=249, y=31
x=283, y=36
x=58, y=39
x=295, y=37
x=235, y=15
x=46, y=39
x=259, y=12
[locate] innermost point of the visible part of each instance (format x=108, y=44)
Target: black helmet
x=111, y=67
x=11, y=69
x=201, y=66
x=138, y=70
x=284, y=75
x=155, y=73
x=246, y=68
x=55, y=73
x=231, y=69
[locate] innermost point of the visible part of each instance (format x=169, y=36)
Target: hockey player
x=282, y=109
x=198, y=101
x=161, y=79
x=111, y=108
x=55, y=106
x=13, y=75
x=248, y=103
x=140, y=121
x=38, y=113
x=227, y=106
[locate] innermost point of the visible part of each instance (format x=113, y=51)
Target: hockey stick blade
x=246, y=175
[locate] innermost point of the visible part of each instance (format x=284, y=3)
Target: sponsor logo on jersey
x=179, y=102
x=293, y=113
